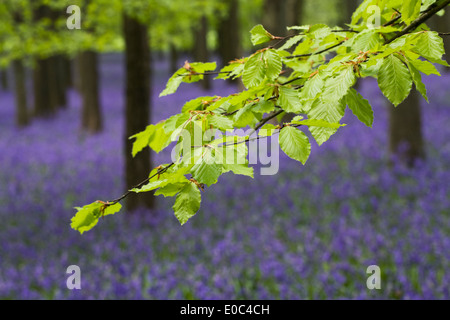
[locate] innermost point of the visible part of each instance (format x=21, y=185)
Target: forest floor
x=309, y=232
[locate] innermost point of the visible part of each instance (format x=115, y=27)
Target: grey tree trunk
x=229, y=46
x=405, y=130
x=20, y=93
x=45, y=103
x=137, y=109
x=91, y=117
x=200, y=52
x=4, y=79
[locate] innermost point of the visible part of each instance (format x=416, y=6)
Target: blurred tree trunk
x=200, y=50
x=348, y=6
x=20, y=93
x=43, y=77
x=405, y=130
x=43, y=102
x=229, y=46
x=4, y=79
x=279, y=14
x=91, y=118
x=61, y=81
x=66, y=70
x=137, y=109
x=229, y=32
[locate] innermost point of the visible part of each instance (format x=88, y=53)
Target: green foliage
x=315, y=82
x=295, y=144
x=87, y=217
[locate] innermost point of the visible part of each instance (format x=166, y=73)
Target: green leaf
x=368, y=39
x=221, y=122
x=160, y=139
x=330, y=111
x=87, y=217
x=337, y=87
x=245, y=117
x=289, y=100
x=267, y=130
x=410, y=10
x=360, y=107
x=173, y=83
x=295, y=144
x=291, y=42
x=233, y=70
x=170, y=190
x=394, y=79
x=263, y=106
x=174, y=122
x=206, y=170
x=424, y=67
x=234, y=158
x=187, y=203
x=430, y=46
x=313, y=86
x=273, y=64
x=163, y=180
x=260, y=35
x=254, y=71
x=142, y=139
x=417, y=78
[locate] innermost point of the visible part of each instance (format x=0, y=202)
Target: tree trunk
x=67, y=72
x=348, y=6
x=43, y=77
x=137, y=109
x=20, y=93
x=279, y=14
x=405, y=130
x=4, y=79
x=229, y=45
x=61, y=81
x=91, y=118
x=43, y=102
x=200, y=50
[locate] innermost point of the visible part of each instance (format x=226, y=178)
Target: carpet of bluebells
x=309, y=232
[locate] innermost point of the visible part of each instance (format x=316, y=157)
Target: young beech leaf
x=87, y=217
x=289, y=100
x=430, y=46
x=221, y=122
x=254, y=71
x=295, y=144
x=142, y=139
x=187, y=202
x=260, y=35
x=330, y=111
x=410, y=10
x=173, y=83
x=273, y=64
x=417, y=79
x=206, y=170
x=394, y=79
x=360, y=107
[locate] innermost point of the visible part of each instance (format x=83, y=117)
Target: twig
x=160, y=171
x=318, y=52
x=265, y=120
x=424, y=17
